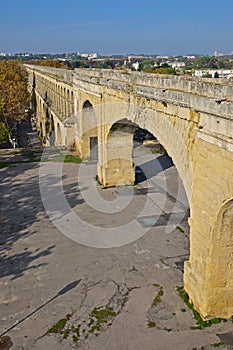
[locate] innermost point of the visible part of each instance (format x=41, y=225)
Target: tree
x=4, y=133
x=14, y=97
x=206, y=62
x=162, y=70
x=147, y=65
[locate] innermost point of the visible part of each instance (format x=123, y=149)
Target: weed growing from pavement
x=99, y=316
x=157, y=299
x=218, y=345
x=151, y=324
x=59, y=326
x=178, y=228
x=200, y=322
x=102, y=315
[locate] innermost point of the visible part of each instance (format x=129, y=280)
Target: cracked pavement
x=121, y=284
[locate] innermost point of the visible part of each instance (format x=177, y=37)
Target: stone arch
x=58, y=139
x=88, y=131
x=68, y=109
x=72, y=102
x=168, y=135
x=52, y=132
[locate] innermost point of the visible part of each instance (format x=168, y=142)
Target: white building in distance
x=222, y=73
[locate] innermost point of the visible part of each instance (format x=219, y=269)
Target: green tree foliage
x=14, y=97
x=147, y=65
x=225, y=63
x=105, y=65
x=163, y=70
x=206, y=62
x=4, y=132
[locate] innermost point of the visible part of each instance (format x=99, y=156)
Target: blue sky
x=109, y=27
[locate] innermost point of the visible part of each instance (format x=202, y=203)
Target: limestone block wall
x=210, y=266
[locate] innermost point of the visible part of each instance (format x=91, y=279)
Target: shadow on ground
x=152, y=168
x=21, y=208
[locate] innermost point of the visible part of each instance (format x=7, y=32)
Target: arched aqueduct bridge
x=191, y=117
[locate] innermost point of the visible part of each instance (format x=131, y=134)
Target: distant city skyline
x=149, y=27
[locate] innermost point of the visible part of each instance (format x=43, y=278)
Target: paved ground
x=121, y=298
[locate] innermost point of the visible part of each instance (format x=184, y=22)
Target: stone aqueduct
x=191, y=118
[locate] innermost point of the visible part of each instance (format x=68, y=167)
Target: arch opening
x=58, y=135
x=88, y=132
x=52, y=132
x=129, y=161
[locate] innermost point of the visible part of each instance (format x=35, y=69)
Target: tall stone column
x=116, y=166
x=208, y=275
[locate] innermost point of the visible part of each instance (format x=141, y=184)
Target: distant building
x=135, y=65
x=192, y=57
x=89, y=56
x=177, y=64
x=222, y=73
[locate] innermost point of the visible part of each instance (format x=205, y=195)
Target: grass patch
x=151, y=324
x=156, y=285
x=178, y=228
x=32, y=156
x=102, y=315
x=158, y=297
x=13, y=163
x=200, y=322
x=59, y=326
x=63, y=158
x=75, y=333
x=218, y=345
x=6, y=164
